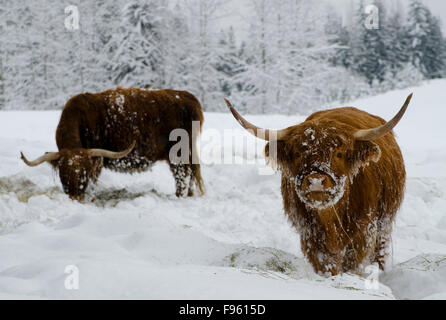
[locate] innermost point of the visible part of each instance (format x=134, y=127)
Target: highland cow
x=343, y=180
x=125, y=130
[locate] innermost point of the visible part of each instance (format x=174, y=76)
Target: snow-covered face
x=320, y=159
x=76, y=169
x=320, y=166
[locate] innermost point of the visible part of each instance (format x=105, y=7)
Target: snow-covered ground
x=138, y=241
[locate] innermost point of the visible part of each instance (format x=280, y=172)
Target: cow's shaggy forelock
x=76, y=170
x=311, y=148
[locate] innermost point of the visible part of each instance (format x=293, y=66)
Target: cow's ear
x=364, y=152
x=276, y=155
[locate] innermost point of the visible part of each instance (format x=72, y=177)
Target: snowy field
x=136, y=240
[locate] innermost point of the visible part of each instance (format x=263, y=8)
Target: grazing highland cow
x=125, y=130
x=343, y=179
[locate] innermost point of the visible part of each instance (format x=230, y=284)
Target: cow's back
x=114, y=118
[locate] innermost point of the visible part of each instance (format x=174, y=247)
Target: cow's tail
x=195, y=163
x=196, y=175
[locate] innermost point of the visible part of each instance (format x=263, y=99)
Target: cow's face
x=76, y=168
x=321, y=158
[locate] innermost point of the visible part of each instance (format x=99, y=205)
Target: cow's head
x=321, y=156
x=77, y=166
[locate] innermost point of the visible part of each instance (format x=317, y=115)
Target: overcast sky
x=236, y=11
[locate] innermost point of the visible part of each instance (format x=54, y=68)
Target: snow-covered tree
x=2, y=57
x=341, y=39
x=231, y=63
x=297, y=56
x=138, y=59
x=2, y=84
x=290, y=53
x=203, y=50
x=427, y=42
x=371, y=56
x=177, y=44
x=398, y=45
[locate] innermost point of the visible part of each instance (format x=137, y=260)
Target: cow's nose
x=317, y=182
x=77, y=197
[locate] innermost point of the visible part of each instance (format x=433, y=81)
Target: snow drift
x=135, y=239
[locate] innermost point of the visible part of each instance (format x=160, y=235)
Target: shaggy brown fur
x=353, y=230
x=112, y=120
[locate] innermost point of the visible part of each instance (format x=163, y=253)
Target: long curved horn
x=111, y=154
x=375, y=133
x=48, y=156
x=267, y=135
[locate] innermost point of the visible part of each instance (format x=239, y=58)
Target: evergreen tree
x=398, y=45
x=203, y=51
x=177, y=42
x=2, y=84
x=343, y=55
x=2, y=57
x=230, y=63
x=427, y=42
x=139, y=57
x=372, y=54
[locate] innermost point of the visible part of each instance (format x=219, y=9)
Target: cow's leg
x=181, y=173
x=383, y=242
x=323, y=262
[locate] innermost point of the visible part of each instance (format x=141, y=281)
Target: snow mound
x=421, y=277
x=278, y=264
x=268, y=260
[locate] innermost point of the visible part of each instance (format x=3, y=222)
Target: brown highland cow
x=125, y=130
x=343, y=180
